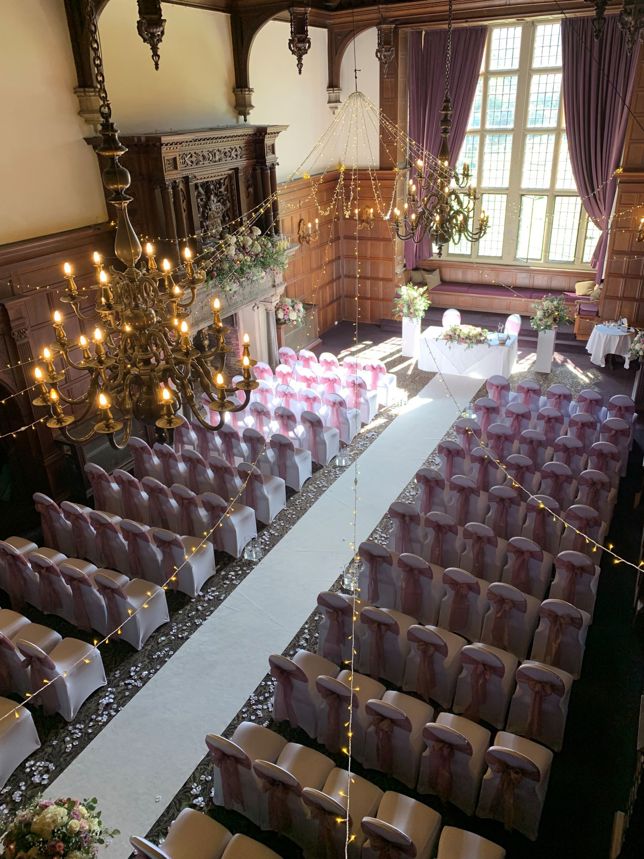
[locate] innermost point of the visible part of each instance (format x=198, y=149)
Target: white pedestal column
x=410, y=337
x=545, y=351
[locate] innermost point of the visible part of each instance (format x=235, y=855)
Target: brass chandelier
x=440, y=203
x=141, y=359
x=630, y=20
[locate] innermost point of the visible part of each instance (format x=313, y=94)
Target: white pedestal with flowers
x=549, y=313
x=410, y=304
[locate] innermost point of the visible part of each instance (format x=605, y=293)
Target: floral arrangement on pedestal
x=636, y=349
x=58, y=829
x=411, y=301
x=465, y=335
x=549, y=313
x=247, y=257
x=289, y=311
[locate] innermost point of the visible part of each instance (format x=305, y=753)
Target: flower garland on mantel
x=246, y=258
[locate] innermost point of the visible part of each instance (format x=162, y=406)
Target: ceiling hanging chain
x=151, y=26
x=105, y=108
x=300, y=42
x=386, y=48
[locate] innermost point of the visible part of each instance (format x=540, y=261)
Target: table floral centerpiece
x=56, y=829
x=289, y=311
x=465, y=335
x=636, y=349
x=410, y=305
x=247, y=257
x=549, y=313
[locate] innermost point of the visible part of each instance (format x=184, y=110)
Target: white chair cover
x=464, y=603
x=539, y=706
x=485, y=684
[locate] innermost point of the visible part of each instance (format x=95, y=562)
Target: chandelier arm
x=80, y=439
x=196, y=413
x=125, y=437
x=75, y=401
x=242, y=406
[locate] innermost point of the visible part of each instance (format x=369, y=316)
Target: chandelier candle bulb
x=83, y=342
x=216, y=318
x=187, y=255
x=68, y=273
x=40, y=380
x=184, y=330
x=59, y=331
x=98, y=343
x=246, y=367
x=48, y=357
x=149, y=252
x=97, y=262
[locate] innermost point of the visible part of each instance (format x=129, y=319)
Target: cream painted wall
x=366, y=120
x=193, y=87
x=282, y=97
x=49, y=179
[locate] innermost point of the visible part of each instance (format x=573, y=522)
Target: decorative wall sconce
x=640, y=232
x=151, y=26
x=300, y=43
x=307, y=233
x=364, y=217
x=386, y=49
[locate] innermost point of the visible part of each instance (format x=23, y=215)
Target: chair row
x=193, y=835
x=63, y=672
x=82, y=594
x=154, y=554
x=299, y=792
x=178, y=508
x=504, y=511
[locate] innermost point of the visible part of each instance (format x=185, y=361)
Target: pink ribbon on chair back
x=286, y=420
x=350, y=365
x=426, y=676
x=440, y=768
x=573, y=572
x=540, y=690
x=228, y=766
x=539, y=522
x=585, y=520
x=186, y=506
x=480, y=674
x=533, y=443
x=551, y=421
x=520, y=572
x=49, y=595
x=439, y=529
x=502, y=608
x=261, y=416
x=502, y=505
x=529, y=391
x=134, y=540
x=227, y=439
x=170, y=565
x=621, y=406
x=101, y=482
x=450, y=451
x=517, y=420
x=114, y=607
x=519, y=467
x=355, y=390
x=596, y=485
x=337, y=631
x=287, y=396
x=372, y=561
x=335, y=703
x=130, y=495
x=310, y=399
x=384, y=728
x=80, y=526
x=78, y=588
x=103, y=530
x=47, y=513
x=282, y=447
x=557, y=624
x=264, y=394
x=498, y=388
x=558, y=397
x=478, y=541
x=558, y=483
x=465, y=494
x=404, y=518
x=374, y=371
x=284, y=692
x=589, y=402
x=604, y=457
x=377, y=631
x=40, y=670
x=156, y=491
x=328, y=362
x=566, y=449
x=287, y=356
x=331, y=383
x=486, y=409
x=337, y=408
x=503, y=802
x=307, y=359
x=283, y=374
x=263, y=372
x=6, y=680
x=215, y=510
x=431, y=484
x=468, y=433
x=279, y=813
x=18, y=569
x=583, y=426
x=411, y=589
x=315, y=431
x=616, y=431
x=459, y=613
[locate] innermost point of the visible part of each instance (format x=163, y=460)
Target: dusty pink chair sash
x=509, y=779
x=331, y=383
x=49, y=595
x=216, y=508
x=328, y=362
x=310, y=400
x=356, y=390
x=586, y=520
x=519, y=419
x=478, y=540
x=502, y=503
x=412, y=570
x=431, y=484
x=405, y=518
x=500, y=440
x=228, y=766
x=450, y=451
x=503, y=608
x=134, y=539
x=104, y=531
x=597, y=486
x=459, y=613
x=307, y=359
x=532, y=443
x=287, y=396
x=131, y=492
x=168, y=560
x=286, y=420
x=540, y=514
x=101, y=486
x=583, y=426
x=283, y=448
x=40, y=670
x=261, y=417
x=498, y=388
x=559, y=397
x=550, y=421
x=263, y=372
x=156, y=491
x=256, y=444
x=616, y=431
x=315, y=430
x=384, y=728
x=440, y=529
x=114, y=599
x=589, y=402
x=557, y=480
x=279, y=812
x=18, y=568
x=373, y=557
x=620, y=406
x=521, y=469
x=305, y=377
x=480, y=675
x=337, y=409
x=484, y=463
x=377, y=632
x=572, y=572
x=338, y=619
x=47, y=521
x=604, y=457
x=441, y=758
x=287, y=356
x=468, y=431
x=82, y=532
x=78, y=588
x=566, y=448
x=386, y=850
x=284, y=692
x=328, y=830
x=337, y=705
x=557, y=624
x=520, y=559
x=6, y=680
x=283, y=374
x=264, y=394
x=540, y=690
x=486, y=409
x=228, y=436
x=529, y=391
x=465, y=492
x=350, y=365
x=426, y=675
x=374, y=371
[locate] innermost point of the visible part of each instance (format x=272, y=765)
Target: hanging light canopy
x=440, y=202
x=140, y=358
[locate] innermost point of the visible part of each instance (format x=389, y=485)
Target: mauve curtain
x=427, y=54
x=597, y=82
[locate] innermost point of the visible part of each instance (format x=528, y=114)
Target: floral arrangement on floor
x=247, y=257
x=549, y=313
x=411, y=301
x=289, y=311
x=58, y=829
x=636, y=349
x=465, y=335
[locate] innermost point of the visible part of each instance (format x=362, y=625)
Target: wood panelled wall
x=623, y=293
x=455, y=271
x=324, y=272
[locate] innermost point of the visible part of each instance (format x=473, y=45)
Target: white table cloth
x=477, y=362
x=608, y=340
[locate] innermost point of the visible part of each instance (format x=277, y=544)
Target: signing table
x=609, y=340
x=478, y=362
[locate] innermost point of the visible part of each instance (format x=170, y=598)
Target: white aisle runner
x=137, y=764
